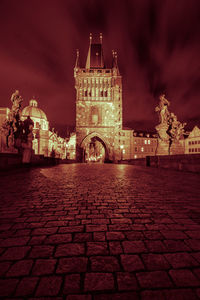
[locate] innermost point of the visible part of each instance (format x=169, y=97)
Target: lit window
x=145, y=141
x=135, y=156
x=149, y=142
x=142, y=149
x=94, y=119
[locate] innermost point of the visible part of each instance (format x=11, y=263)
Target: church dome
x=33, y=111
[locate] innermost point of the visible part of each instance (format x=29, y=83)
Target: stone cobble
x=98, y=232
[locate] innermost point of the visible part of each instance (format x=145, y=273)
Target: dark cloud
x=158, y=46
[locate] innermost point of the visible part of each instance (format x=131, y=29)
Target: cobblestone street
x=92, y=231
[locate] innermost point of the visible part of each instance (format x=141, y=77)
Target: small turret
x=77, y=65
x=114, y=63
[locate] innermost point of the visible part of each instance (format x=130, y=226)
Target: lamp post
x=121, y=147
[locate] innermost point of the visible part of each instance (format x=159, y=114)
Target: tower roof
x=95, y=58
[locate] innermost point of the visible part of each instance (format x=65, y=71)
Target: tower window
x=95, y=119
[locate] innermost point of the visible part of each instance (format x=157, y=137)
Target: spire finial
x=90, y=38
x=101, y=37
x=77, y=52
x=77, y=59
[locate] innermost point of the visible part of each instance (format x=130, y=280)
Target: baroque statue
x=18, y=133
x=162, y=108
x=170, y=130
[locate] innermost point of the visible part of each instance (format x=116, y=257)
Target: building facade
x=46, y=142
x=144, y=144
x=40, y=129
x=98, y=106
x=192, y=142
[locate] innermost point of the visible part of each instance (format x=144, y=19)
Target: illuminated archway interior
x=95, y=150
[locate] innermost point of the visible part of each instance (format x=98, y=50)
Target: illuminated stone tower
x=98, y=106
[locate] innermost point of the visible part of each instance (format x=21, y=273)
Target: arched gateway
x=98, y=107
x=94, y=149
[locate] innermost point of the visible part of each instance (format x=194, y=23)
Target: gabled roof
x=195, y=132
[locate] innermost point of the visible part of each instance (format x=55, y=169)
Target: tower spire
x=95, y=54
x=77, y=59
x=101, y=37
x=90, y=38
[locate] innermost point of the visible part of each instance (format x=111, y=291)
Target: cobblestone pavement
x=83, y=232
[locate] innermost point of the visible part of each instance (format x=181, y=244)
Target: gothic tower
x=98, y=106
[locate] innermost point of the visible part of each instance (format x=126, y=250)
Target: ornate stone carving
x=18, y=133
x=170, y=130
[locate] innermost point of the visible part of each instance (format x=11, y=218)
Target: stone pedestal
x=177, y=147
x=3, y=144
x=162, y=148
x=163, y=140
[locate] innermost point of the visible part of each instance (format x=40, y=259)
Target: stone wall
x=12, y=161
x=182, y=162
x=136, y=162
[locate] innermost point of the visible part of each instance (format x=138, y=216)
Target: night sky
x=158, y=45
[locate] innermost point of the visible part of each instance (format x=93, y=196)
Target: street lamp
x=122, y=151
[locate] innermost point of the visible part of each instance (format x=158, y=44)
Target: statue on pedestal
x=12, y=127
x=170, y=130
x=18, y=134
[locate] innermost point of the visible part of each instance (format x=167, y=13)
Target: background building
x=192, y=142
x=71, y=147
x=46, y=142
x=143, y=144
x=40, y=129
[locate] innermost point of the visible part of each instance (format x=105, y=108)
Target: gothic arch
x=94, y=136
